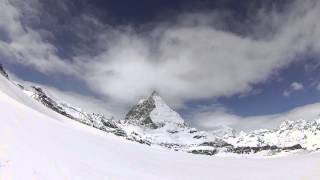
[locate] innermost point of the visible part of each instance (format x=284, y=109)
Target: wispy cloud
x=295, y=86
x=24, y=45
x=87, y=103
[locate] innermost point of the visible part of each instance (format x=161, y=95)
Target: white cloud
x=87, y=103
x=190, y=59
x=295, y=86
x=215, y=119
x=24, y=45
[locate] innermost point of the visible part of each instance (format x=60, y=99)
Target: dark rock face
x=172, y=146
x=193, y=131
x=20, y=86
x=140, y=114
x=47, y=101
x=199, y=136
x=3, y=72
x=217, y=144
x=119, y=132
x=221, y=145
x=291, y=148
x=204, y=152
x=172, y=131
x=109, y=123
x=248, y=150
x=139, y=140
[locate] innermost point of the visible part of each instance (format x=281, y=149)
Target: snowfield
x=36, y=143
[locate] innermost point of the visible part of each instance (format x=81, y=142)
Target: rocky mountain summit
x=153, y=122
x=140, y=113
x=154, y=113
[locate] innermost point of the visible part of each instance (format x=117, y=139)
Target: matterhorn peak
x=153, y=112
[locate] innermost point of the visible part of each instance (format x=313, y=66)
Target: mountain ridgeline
x=152, y=122
x=140, y=113
x=3, y=72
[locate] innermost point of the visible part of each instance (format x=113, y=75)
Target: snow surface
x=290, y=133
x=162, y=113
x=34, y=145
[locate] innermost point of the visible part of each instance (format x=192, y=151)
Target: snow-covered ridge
x=290, y=133
x=153, y=122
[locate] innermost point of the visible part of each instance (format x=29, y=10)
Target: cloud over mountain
x=195, y=57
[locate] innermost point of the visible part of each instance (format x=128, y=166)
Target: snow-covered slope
x=96, y=120
x=162, y=113
x=153, y=122
x=63, y=108
x=34, y=145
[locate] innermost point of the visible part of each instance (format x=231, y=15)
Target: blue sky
x=269, y=97
x=246, y=59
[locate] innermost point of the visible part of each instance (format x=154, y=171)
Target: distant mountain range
x=152, y=122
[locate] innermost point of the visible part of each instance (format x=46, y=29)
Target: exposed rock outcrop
x=3, y=72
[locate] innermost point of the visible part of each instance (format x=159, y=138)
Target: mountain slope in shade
x=34, y=145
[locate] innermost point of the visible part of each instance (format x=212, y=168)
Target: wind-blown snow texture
x=36, y=143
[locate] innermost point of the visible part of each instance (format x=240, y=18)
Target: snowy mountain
x=153, y=122
x=36, y=142
x=159, y=124
x=96, y=120
x=154, y=113
x=290, y=135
